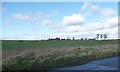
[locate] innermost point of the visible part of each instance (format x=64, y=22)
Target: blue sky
x=60, y=0
x=43, y=20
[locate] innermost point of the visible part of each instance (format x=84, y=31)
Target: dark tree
x=86, y=39
x=57, y=38
x=68, y=38
x=97, y=36
x=73, y=38
x=105, y=36
x=62, y=39
x=101, y=36
x=82, y=39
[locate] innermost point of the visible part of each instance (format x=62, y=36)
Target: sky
x=43, y=20
x=60, y=0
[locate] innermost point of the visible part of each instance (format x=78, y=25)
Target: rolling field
x=41, y=55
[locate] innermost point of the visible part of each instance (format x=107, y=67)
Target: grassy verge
x=56, y=55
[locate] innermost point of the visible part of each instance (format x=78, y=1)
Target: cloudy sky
x=43, y=20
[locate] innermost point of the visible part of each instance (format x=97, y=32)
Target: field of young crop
x=40, y=55
x=14, y=44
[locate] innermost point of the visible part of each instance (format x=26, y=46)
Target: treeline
x=70, y=39
x=97, y=37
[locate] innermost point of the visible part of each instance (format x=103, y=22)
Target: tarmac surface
x=103, y=64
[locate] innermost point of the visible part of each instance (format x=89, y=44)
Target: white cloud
x=94, y=8
x=107, y=12
x=94, y=26
x=74, y=25
x=22, y=17
x=105, y=24
x=108, y=26
x=111, y=32
x=74, y=19
x=85, y=6
x=111, y=22
x=73, y=28
x=84, y=28
x=47, y=22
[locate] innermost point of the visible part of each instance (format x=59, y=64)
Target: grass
x=15, y=44
x=41, y=55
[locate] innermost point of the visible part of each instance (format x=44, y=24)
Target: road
x=103, y=64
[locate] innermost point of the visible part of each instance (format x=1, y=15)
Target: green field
x=14, y=44
x=40, y=55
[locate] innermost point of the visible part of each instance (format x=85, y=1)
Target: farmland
x=41, y=55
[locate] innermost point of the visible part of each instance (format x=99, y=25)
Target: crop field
x=42, y=55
